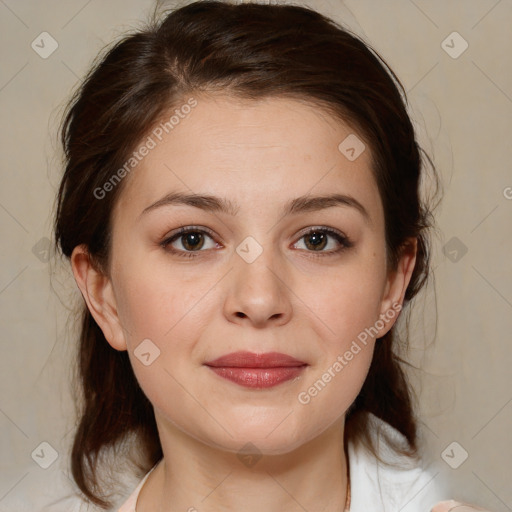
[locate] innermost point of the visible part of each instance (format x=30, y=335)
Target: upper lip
x=252, y=360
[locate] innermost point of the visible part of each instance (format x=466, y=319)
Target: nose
x=257, y=293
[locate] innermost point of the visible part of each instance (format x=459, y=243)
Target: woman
x=241, y=210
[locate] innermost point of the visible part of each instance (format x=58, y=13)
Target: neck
x=196, y=477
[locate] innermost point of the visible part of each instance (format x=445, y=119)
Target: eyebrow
x=296, y=206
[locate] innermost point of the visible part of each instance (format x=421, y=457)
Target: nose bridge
x=257, y=265
x=257, y=289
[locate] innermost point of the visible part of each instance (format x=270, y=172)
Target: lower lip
x=258, y=377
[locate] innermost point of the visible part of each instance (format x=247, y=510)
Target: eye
x=191, y=239
x=317, y=239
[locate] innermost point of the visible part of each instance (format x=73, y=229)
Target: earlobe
x=98, y=294
x=396, y=285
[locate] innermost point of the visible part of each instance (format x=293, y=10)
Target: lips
x=251, y=360
x=257, y=370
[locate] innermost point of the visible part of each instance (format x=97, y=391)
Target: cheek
x=348, y=312
x=155, y=305
x=336, y=381
x=164, y=317
x=162, y=320
x=349, y=302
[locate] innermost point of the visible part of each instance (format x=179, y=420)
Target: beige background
x=462, y=108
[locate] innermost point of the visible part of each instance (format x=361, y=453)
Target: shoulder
x=396, y=482
x=73, y=502
x=65, y=497
x=131, y=502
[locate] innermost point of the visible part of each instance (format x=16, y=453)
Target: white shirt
x=375, y=486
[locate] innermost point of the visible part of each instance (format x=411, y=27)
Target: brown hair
x=249, y=51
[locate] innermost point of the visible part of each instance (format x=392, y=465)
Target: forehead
x=256, y=153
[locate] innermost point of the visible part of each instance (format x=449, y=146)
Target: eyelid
x=327, y=229
x=183, y=230
x=189, y=228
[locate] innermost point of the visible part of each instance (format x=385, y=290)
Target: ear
x=98, y=293
x=396, y=285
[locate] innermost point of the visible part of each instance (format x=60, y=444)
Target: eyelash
x=345, y=242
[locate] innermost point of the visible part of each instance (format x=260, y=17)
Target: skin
x=448, y=506
x=259, y=155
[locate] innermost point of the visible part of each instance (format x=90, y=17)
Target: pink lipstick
x=257, y=370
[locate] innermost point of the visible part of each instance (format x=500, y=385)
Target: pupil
x=318, y=239
x=192, y=239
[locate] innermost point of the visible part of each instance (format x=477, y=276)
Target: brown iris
x=318, y=240
x=193, y=240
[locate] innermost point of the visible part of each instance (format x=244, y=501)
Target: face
x=259, y=271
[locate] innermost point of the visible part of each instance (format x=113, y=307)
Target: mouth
x=257, y=371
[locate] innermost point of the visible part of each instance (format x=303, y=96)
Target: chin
x=251, y=445
x=279, y=439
